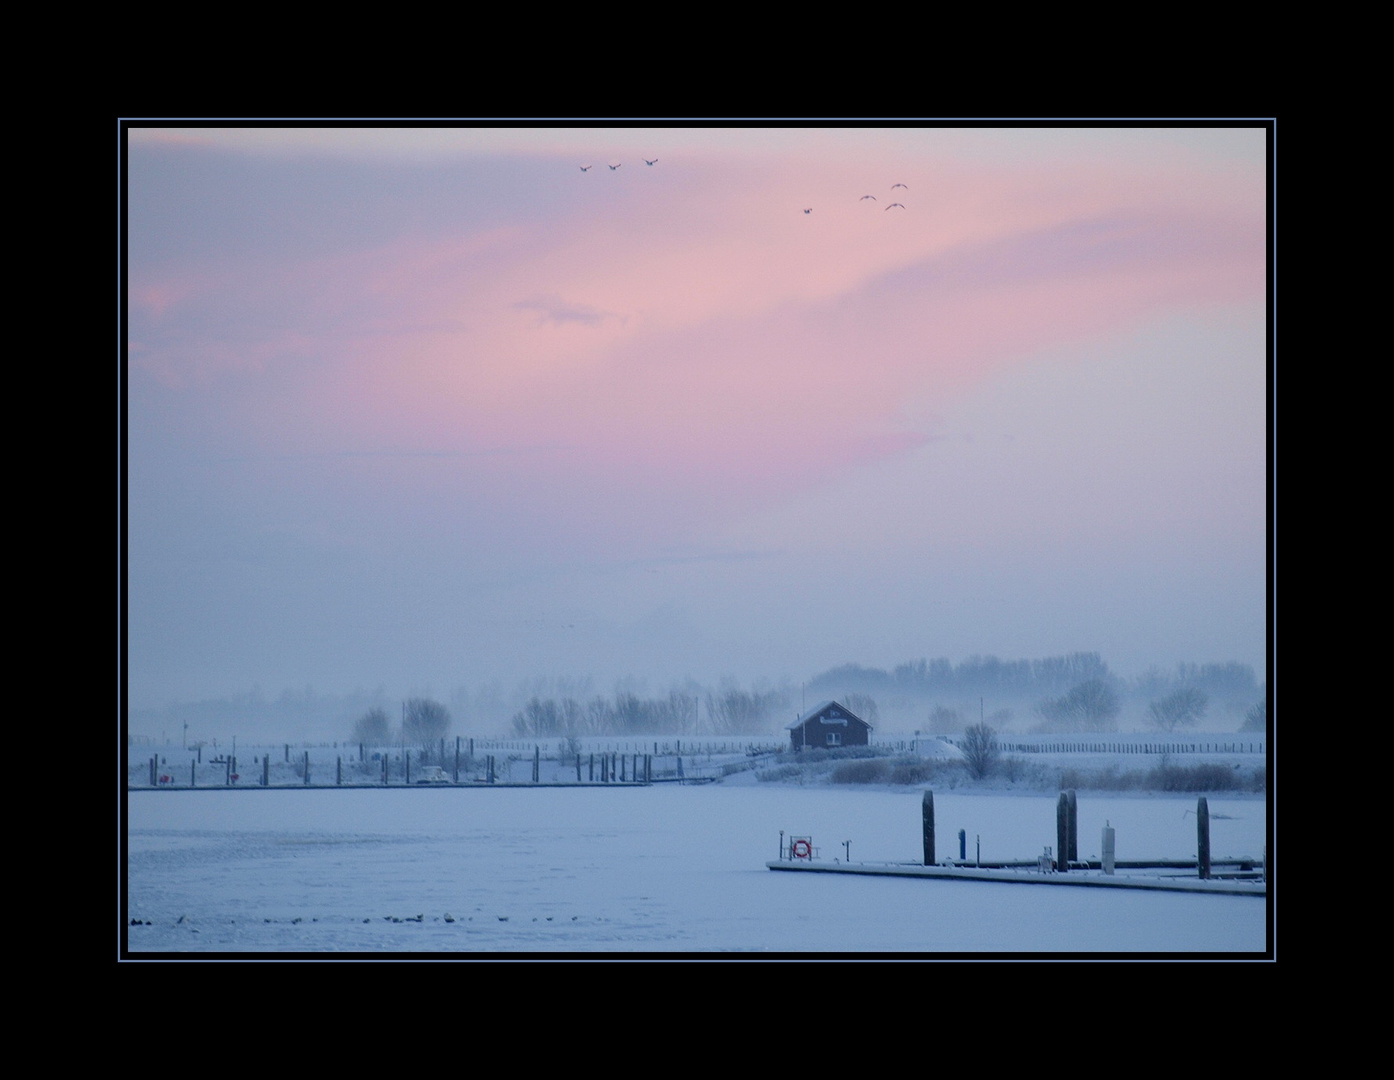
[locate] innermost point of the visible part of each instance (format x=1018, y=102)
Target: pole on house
x=1062, y=832
x=1203, y=837
x=927, y=816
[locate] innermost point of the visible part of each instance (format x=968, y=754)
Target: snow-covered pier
x=1244, y=876
x=1096, y=878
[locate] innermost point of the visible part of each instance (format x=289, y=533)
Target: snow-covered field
x=668, y=870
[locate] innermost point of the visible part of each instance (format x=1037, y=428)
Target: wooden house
x=830, y=724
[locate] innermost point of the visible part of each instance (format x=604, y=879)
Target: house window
x=834, y=738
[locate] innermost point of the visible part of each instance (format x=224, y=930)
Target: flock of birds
x=616, y=165
x=807, y=209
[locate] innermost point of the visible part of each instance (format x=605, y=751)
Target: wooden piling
x=927, y=815
x=1203, y=838
x=1073, y=805
x=1062, y=833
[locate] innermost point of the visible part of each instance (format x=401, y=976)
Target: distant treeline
x=1065, y=693
x=730, y=711
x=1054, y=675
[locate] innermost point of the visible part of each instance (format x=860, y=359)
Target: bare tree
x=1089, y=706
x=1256, y=719
x=424, y=721
x=373, y=728
x=1182, y=707
x=980, y=750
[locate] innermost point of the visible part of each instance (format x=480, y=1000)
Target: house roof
x=800, y=721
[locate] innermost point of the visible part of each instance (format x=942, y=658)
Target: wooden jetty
x=1228, y=876
x=1175, y=882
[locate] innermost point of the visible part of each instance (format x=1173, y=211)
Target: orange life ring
x=801, y=849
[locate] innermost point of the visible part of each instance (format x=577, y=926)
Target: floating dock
x=1235, y=876
x=1178, y=882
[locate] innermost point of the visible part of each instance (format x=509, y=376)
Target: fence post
x=927, y=820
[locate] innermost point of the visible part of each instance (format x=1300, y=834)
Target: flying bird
x=808, y=209
x=895, y=204
x=616, y=166
x=648, y=162
x=865, y=197
x=894, y=186
x=586, y=168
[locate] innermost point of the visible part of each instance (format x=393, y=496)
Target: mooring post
x=927, y=814
x=1108, y=840
x=457, y=759
x=265, y=770
x=962, y=845
x=1074, y=826
x=193, y=775
x=307, y=768
x=536, y=764
x=1062, y=833
x=578, y=768
x=1203, y=838
x=339, y=769
x=591, y=774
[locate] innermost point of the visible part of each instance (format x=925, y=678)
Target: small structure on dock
x=828, y=725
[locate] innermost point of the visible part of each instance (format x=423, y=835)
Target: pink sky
x=466, y=359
